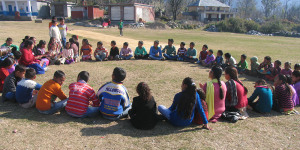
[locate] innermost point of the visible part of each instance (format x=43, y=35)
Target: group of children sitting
x=210, y=102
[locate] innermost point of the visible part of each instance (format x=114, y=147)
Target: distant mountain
x=259, y=5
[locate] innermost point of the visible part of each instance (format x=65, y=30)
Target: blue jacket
x=154, y=51
x=114, y=99
x=24, y=90
x=265, y=100
x=177, y=120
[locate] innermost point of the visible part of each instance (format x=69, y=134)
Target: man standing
x=121, y=27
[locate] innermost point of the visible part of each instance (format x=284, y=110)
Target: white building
x=26, y=8
x=209, y=10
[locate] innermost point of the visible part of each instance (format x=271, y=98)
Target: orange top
x=47, y=95
x=86, y=50
x=50, y=24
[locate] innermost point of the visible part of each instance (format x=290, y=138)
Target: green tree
x=246, y=8
x=269, y=6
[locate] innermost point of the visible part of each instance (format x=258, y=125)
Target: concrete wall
x=144, y=12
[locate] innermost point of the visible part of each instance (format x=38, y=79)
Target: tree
x=227, y=2
x=176, y=6
x=286, y=7
x=269, y=6
x=246, y=8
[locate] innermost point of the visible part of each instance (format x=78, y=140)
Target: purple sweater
x=209, y=59
x=297, y=88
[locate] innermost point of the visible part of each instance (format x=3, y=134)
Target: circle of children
x=212, y=101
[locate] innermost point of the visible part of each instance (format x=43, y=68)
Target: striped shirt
x=181, y=51
x=79, y=96
x=283, y=98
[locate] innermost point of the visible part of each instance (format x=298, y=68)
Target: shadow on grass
x=124, y=128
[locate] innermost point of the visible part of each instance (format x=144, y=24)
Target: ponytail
x=221, y=89
x=217, y=73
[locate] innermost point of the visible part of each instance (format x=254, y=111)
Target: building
x=130, y=12
x=61, y=9
x=24, y=9
x=86, y=12
x=208, y=10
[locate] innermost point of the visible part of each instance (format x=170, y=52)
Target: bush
x=271, y=27
x=236, y=25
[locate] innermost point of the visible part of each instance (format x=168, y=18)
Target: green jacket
x=121, y=25
x=170, y=50
x=11, y=46
x=191, y=52
x=243, y=65
x=139, y=51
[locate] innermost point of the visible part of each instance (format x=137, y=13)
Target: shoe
x=46, y=69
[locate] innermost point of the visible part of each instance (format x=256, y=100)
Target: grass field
x=60, y=131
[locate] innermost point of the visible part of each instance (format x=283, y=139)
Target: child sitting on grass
x=219, y=59
x=67, y=54
x=254, y=66
x=229, y=61
x=283, y=93
x=287, y=69
x=181, y=52
x=242, y=65
x=210, y=58
x=198, y=119
x=275, y=71
x=203, y=54
x=215, y=94
x=170, y=51
x=191, y=54
x=265, y=97
x=114, y=98
x=80, y=96
x=49, y=92
x=101, y=53
x=182, y=111
x=140, y=51
x=75, y=49
x=86, y=50
x=114, y=51
x=10, y=83
x=236, y=96
x=126, y=52
x=265, y=67
x=296, y=81
x=143, y=114
x=5, y=65
x=27, y=89
x=295, y=95
x=155, y=52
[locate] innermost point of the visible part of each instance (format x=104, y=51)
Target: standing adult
x=121, y=27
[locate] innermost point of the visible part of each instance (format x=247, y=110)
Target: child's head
x=83, y=75
x=99, y=44
x=267, y=59
x=144, y=91
x=289, y=79
x=53, y=22
x=113, y=43
x=297, y=67
x=7, y=63
x=85, y=42
x=231, y=73
x=17, y=55
x=29, y=44
x=280, y=79
x=220, y=53
x=26, y=38
x=192, y=45
x=75, y=37
x=277, y=63
x=296, y=76
x=125, y=44
x=156, y=42
x=140, y=44
x=287, y=65
x=54, y=18
x=62, y=20
x=9, y=41
x=170, y=42
x=52, y=40
x=30, y=74
x=243, y=57
x=260, y=82
x=182, y=44
x=42, y=44
x=59, y=77
x=210, y=52
x=227, y=56
x=71, y=40
x=33, y=39
x=119, y=74
x=204, y=47
x=68, y=45
x=20, y=71
x=254, y=59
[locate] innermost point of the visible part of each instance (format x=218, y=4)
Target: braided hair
x=217, y=73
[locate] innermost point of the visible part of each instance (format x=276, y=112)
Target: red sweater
x=3, y=74
x=241, y=95
x=27, y=57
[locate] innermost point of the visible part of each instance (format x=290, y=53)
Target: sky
x=259, y=5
